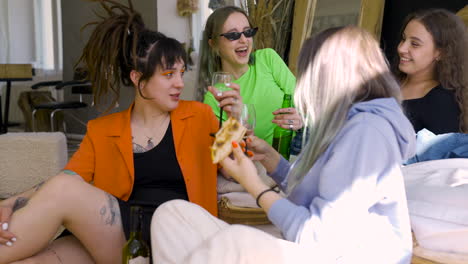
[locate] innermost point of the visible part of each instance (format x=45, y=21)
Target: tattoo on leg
x=20, y=203
x=110, y=212
x=37, y=187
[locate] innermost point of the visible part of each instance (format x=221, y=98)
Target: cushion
x=437, y=193
x=27, y=159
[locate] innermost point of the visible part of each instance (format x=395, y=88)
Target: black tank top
x=158, y=177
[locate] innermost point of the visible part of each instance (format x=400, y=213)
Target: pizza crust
x=231, y=130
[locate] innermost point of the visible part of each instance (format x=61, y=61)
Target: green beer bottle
x=282, y=137
x=136, y=251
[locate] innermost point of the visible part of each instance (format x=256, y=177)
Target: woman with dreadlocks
x=155, y=151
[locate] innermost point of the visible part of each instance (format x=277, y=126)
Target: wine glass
x=248, y=117
x=219, y=81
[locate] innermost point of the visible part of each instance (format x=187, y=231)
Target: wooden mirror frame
x=370, y=17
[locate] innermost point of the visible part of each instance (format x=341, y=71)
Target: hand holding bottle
x=282, y=136
x=288, y=118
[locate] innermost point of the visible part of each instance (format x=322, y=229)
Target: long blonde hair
x=336, y=69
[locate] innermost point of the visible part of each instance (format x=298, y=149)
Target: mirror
x=334, y=13
x=313, y=16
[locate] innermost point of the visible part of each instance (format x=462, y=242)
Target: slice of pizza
x=231, y=130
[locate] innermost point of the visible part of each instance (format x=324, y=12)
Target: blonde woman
x=346, y=201
x=263, y=77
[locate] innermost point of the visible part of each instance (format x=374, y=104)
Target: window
x=30, y=32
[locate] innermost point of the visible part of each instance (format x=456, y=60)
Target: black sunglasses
x=248, y=33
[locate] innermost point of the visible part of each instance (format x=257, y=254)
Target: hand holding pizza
x=240, y=167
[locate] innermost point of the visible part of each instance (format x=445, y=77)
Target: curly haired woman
x=433, y=70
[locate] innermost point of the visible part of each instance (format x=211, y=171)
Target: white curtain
x=4, y=50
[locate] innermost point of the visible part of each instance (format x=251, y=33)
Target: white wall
x=175, y=26
x=170, y=23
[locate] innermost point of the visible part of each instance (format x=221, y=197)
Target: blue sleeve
x=347, y=188
x=280, y=173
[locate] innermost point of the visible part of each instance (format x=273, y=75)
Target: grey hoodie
x=352, y=202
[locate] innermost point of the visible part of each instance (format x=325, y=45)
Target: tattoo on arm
x=110, y=212
x=20, y=203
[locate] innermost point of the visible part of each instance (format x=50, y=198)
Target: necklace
x=149, y=139
x=149, y=143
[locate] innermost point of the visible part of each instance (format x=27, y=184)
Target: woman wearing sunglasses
x=262, y=76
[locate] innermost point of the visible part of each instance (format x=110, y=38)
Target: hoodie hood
x=390, y=110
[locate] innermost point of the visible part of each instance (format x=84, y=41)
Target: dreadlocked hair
x=119, y=44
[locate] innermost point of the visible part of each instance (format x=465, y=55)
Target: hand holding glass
x=219, y=81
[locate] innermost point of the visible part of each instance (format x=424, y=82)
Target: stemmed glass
x=219, y=81
x=248, y=119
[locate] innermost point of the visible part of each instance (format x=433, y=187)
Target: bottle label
x=139, y=260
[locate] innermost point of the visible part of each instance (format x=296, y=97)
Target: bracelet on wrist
x=272, y=189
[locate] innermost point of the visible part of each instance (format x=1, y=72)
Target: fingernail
x=242, y=144
x=250, y=153
x=243, y=149
x=249, y=140
x=219, y=94
x=9, y=244
x=5, y=226
x=234, y=144
x=219, y=104
x=228, y=84
x=13, y=239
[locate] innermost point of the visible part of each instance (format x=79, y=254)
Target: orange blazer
x=105, y=156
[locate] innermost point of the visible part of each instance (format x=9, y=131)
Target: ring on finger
x=219, y=94
x=290, y=121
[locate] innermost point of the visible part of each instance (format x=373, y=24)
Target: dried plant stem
x=274, y=18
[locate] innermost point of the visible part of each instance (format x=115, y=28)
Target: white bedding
x=437, y=194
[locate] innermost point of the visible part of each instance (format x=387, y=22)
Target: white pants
x=182, y=232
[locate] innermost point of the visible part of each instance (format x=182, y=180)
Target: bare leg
x=92, y=215
x=65, y=250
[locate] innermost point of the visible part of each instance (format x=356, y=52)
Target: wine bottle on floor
x=282, y=137
x=136, y=251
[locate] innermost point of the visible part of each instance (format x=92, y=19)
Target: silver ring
x=219, y=94
x=290, y=121
x=291, y=127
